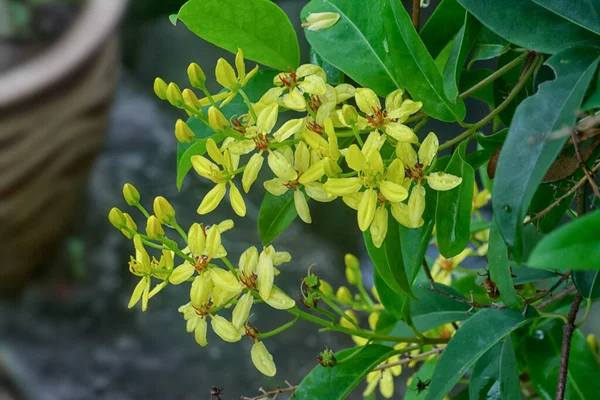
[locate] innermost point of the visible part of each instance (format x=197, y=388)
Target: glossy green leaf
x=397, y=304
x=382, y=53
x=463, y=42
x=527, y=154
x=587, y=283
x=388, y=260
x=585, y=13
x=474, y=338
x=334, y=75
x=492, y=142
x=275, y=215
x=574, y=246
x=453, y=213
x=542, y=351
x=499, y=267
x=495, y=375
x=479, y=225
x=525, y=274
x=488, y=45
x=545, y=195
x=337, y=383
x=512, y=19
x=470, y=78
x=505, y=84
x=424, y=373
x=233, y=24
x=478, y=158
x=442, y=26
x=594, y=100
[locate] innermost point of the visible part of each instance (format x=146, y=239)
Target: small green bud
x=217, y=120
x=164, y=210
x=131, y=195
x=174, y=95
x=116, y=217
x=131, y=225
x=344, y=295
x=160, y=88
x=327, y=358
x=154, y=229
x=325, y=288
x=353, y=274
x=196, y=76
x=311, y=281
x=183, y=133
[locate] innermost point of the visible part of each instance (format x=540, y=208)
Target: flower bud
x=225, y=329
x=242, y=310
x=343, y=295
x=160, y=88
x=183, y=133
x=592, y=343
x=190, y=100
x=349, y=114
x=353, y=274
x=347, y=324
x=174, y=95
x=225, y=74
x=200, y=332
x=262, y=359
x=117, y=218
x=164, y=210
x=325, y=288
x=154, y=229
x=196, y=76
x=373, y=319
x=320, y=21
x=130, y=224
x=225, y=225
x=217, y=120
x=131, y=195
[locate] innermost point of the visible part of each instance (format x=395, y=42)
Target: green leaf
x=525, y=274
x=542, y=351
x=334, y=75
x=442, y=26
x=546, y=194
x=594, y=100
x=512, y=19
x=259, y=27
x=505, y=84
x=383, y=53
x=474, y=338
x=470, y=78
x=275, y=215
x=479, y=225
x=585, y=13
x=572, y=246
x=460, y=51
x=587, y=283
x=488, y=45
x=424, y=373
x=527, y=152
x=495, y=375
x=397, y=304
x=499, y=266
x=388, y=260
x=338, y=382
x=453, y=213
x=493, y=142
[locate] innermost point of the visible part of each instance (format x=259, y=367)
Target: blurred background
x=78, y=119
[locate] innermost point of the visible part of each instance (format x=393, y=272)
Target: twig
x=546, y=210
x=416, y=9
x=566, y=347
x=427, y=271
x=473, y=304
x=408, y=360
x=549, y=291
x=274, y=393
x=563, y=293
x=582, y=164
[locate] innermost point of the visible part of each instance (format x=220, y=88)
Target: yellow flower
x=308, y=79
x=226, y=76
x=140, y=266
x=441, y=271
x=480, y=199
x=207, y=169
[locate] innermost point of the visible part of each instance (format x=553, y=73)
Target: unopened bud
x=130, y=225
x=196, y=76
x=183, y=133
x=350, y=316
x=116, y=217
x=353, y=274
x=190, y=100
x=217, y=120
x=327, y=358
x=131, y=195
x=344, y=295
x=325, y=288
x=160, y=88
x=164, y=210
x=153, y=228
x=320, y=21
x=174, y=95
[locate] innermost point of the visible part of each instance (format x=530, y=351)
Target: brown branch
x=273, y=393
x=562, y=294
x=416, y=9
x=427, y=271
x=549, y=291
x=582, y=164
x=566, y=347
x=546, y=210
x=408, y=360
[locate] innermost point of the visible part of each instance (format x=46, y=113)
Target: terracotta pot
x=53, y=117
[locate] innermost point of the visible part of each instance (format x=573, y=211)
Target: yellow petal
x=379, y=226
x=242, y=310
x=288, y=129
x=267, y=118
x=342, y=186
x=393, y=100
x=401, y=133
x=279, y=300
x=428, y=149
x=302, y=206
x=367, y=101
x=225, y=329
x=313, y=84
x=266, y=275
x=353, y=200
x=181, y=273
x=281, y=167
x=276, y=186
x=366, y=209
x=262, y=359
x=196, y=239
x=356, y=159
x=225, y=74
x=205, y=168
x=236, y=199
x=200, y=290
x=294, y=100
x=214, y=152
x=442, y=181
x=251, y=172
x=314, y=173
x=406, y=153
x=213, y=241
x=137, y=293
x=200, y=332
x=212, y=199
x=416, y=205
x=393, y=191
x=316, y=191
x=322, y=20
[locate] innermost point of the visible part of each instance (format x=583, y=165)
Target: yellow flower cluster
x=213, y=289
x=304, y=154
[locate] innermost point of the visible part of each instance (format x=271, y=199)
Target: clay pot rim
x=96, y=22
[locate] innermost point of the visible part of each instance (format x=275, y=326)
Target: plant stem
x=180, y=231
x=278, y=330
x=408, y=360
x=420, y=124
x=416, y=8
x=340, y=312
x=357, y=135
x=474, y=127
x=209, y=97
x=249, y=104
x=566, y=347
x=494, y=76
x=143, y=210
x=229, y=265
